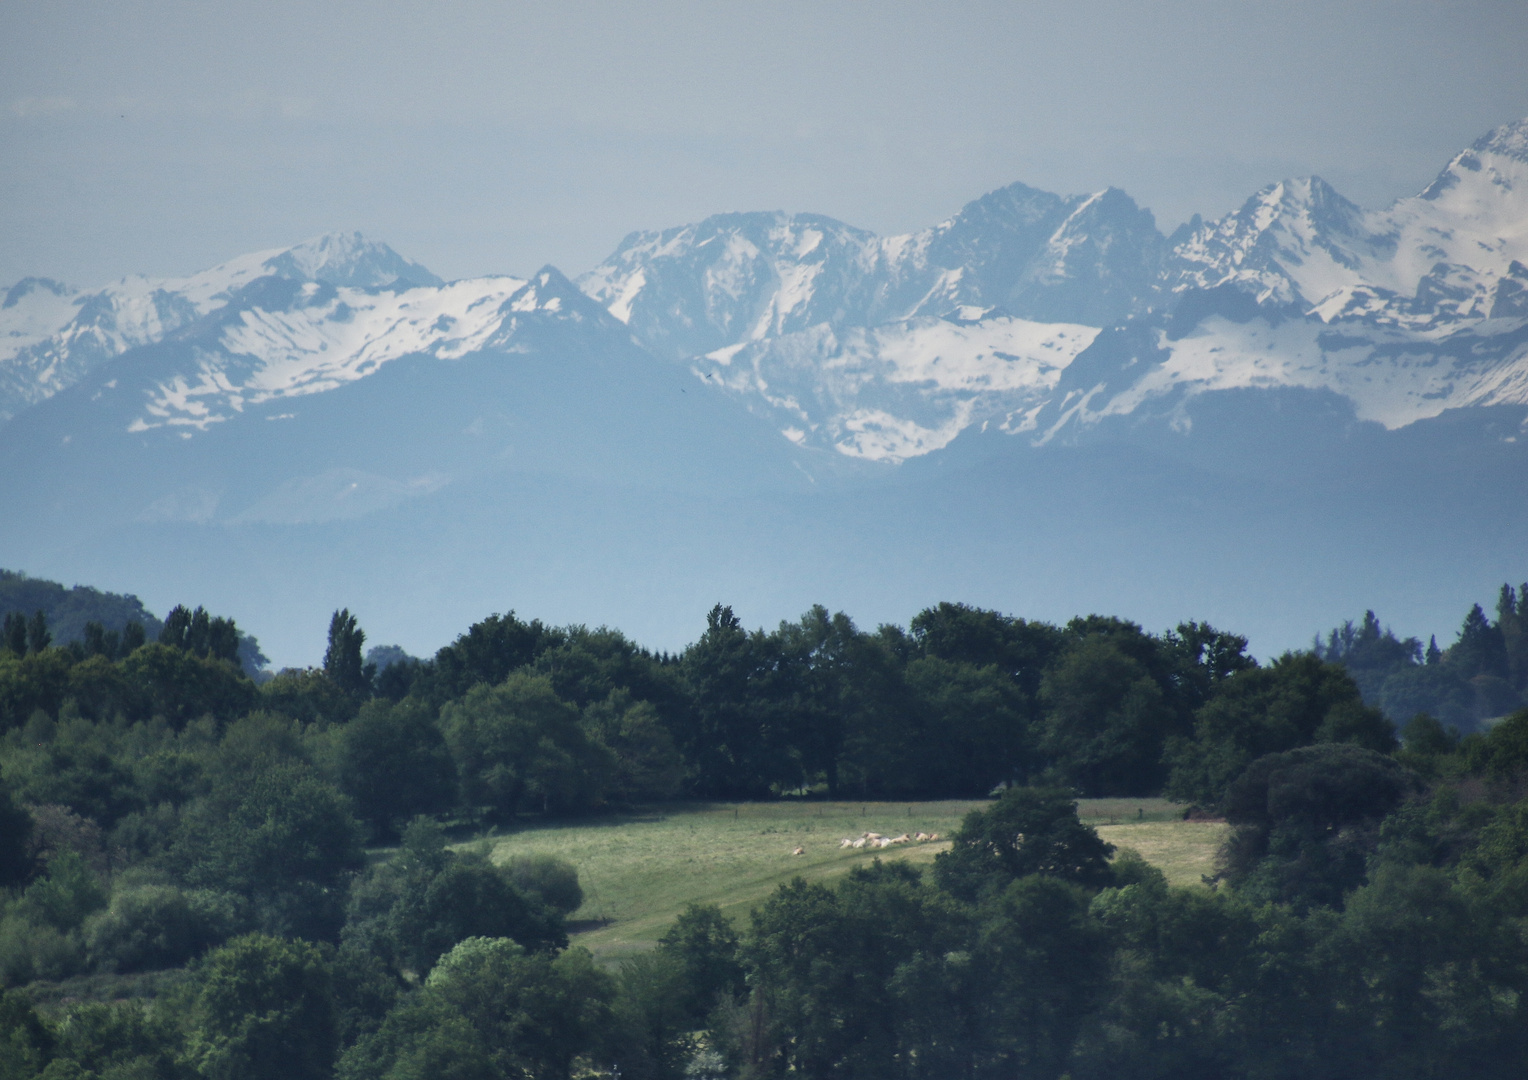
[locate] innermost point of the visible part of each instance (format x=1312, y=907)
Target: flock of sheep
x=876, y=840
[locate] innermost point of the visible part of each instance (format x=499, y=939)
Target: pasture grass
x=640, y=870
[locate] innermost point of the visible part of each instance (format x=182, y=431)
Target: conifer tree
x=1480, y=649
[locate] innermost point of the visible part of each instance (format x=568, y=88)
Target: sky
x=493, y=137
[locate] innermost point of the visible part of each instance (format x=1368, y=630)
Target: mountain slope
x=303, y=401
x=51, y=335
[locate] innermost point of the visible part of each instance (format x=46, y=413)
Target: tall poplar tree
x=342, y=660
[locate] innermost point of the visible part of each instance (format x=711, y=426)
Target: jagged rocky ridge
x=891, y=347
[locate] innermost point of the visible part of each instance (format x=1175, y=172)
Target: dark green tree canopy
x=487, y=653
x=1026, y=831
x=394, y=764
x=1298, y=699
x=263, y=1007
x=342, y=659
x=1317, y=789
x=201, y=634
x=38, y=635
x=1307, y=821
x=14, y=634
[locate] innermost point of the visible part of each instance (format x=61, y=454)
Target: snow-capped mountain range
x=766, y=404
x=887, y=348
x=1406, y=312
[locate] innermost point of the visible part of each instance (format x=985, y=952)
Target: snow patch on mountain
x=898, y=390
x=33, y=309
x=50, y=336
x=331, y=337
x=1395, y=379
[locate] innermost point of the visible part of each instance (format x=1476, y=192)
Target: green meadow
x=639, y=870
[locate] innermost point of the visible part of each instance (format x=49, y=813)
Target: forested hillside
x=68, y=610
x=95, y=621
x=188, y=890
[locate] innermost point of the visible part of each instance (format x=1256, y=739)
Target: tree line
x=164, y=817
x=516, y=717
x=1483, y=674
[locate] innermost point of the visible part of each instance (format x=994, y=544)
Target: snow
x=40, y=359
x=1299, y=240
x=38, y=312
x=1394, y=383
x=879, y=436
x=625, y=293
x=996, y=354
x=270, y=355
x=932, y=379
x=830, y=330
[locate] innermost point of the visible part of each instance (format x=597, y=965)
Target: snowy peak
x=549, y=290
x=1510, y=140
x=50, y=336
x=31, y=286
x=1294, y=242
x=284, y=339
x=1087, y=258
x=1425, y=263
x=550, y=304
x=1474, y=215
x=1098, y=267
x=333, y=258
x=348, y=259
x=731, y=278
x=736, y=278
x=279, y=339
x=991, y=241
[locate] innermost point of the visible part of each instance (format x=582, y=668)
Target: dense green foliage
x=162, y=814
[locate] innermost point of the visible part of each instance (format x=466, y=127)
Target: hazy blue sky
x=495, y=136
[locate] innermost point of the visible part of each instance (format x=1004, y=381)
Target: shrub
x=548, y=879
x=29, y=951
x=65, y=895
x=156, y=926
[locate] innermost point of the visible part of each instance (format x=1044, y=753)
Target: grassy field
x=639, y=871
